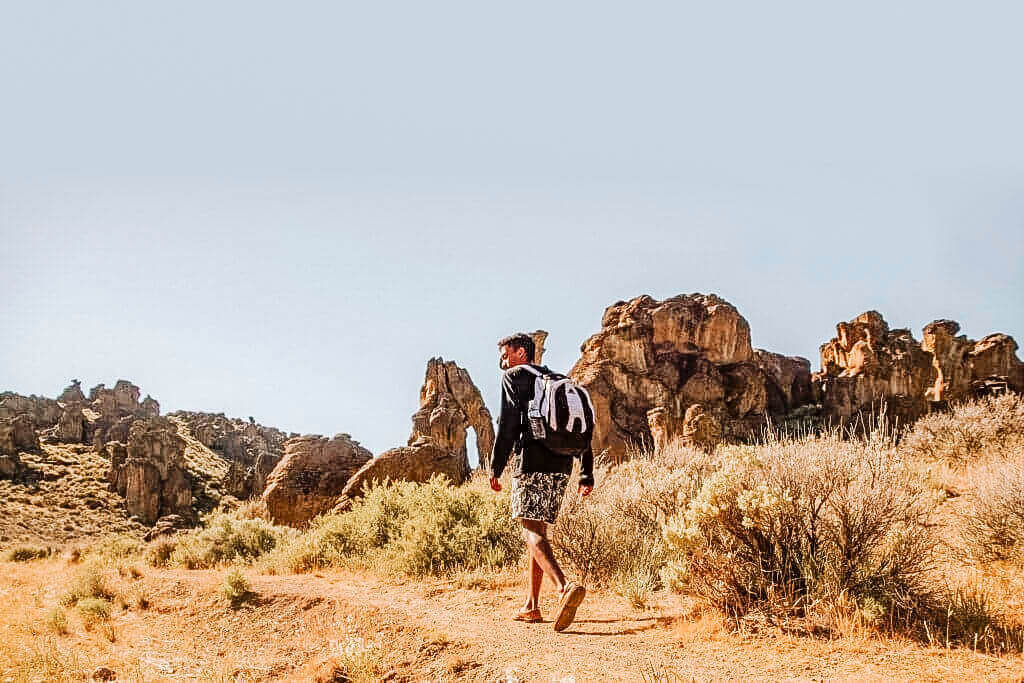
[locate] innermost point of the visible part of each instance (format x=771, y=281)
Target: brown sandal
x=571, y=598
x=530, y=616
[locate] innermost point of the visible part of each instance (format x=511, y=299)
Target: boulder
x=652, y=360
x=149, y=471
x=416, y=462
x=449, y=405
x=310, y=477
x=995, y=356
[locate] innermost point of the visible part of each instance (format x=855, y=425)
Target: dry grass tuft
x=992, y=427
x=26, y=552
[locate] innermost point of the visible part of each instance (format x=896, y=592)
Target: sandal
x=530, y=616
x=571, y=598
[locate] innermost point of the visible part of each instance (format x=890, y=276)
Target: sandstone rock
x=72, y=393
x=43, y=411
x=416, y=462
x=150, y=470
x=665, y=356
x=18, y=433
x=867, y=366
x=449, y=404
x=310, y=477
x=539, y=338
x=167, y=525
x=70, y=426
x=700, y=430
x=10, y=463
x=789, y=380
x=149, y=407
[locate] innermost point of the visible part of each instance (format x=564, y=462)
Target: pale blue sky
x=284, y=209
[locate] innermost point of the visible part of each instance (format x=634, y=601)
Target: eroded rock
x=416, y=462
x=311, y=476
x=149, y=471
x=449, y=405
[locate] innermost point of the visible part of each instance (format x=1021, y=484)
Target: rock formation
x=251, y=450
x=449, y=405
x=150, y=470
x=539, y=338
x=43, y=411
x=18, y=433
x=416, y=462
x=867, y=365
x=652, y=360
x=108, y=407
x=10, y=464
x=310, y=477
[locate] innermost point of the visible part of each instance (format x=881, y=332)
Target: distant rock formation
x=18, y=433
x=310, y=477
x=867, y=365
x=652, y=360
x=251, y=450
x=43, y=411
x=150, y=470
x=449, y=405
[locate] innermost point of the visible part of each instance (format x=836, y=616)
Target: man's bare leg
x=534, y=576
x=535, y=533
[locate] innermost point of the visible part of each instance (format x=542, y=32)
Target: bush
x=223, y=538
x=111, y=549
x=990, y=426
x=613, y=536
x=93, y=610
x=158, y=552
x=26, y=553
x=409, y=528
x=357, y=660
x=57, y=620
x=87, y=583
x=782, y=526
x=992, y=523
x=236, y=588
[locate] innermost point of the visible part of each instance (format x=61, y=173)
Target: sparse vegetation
x=787, y=525
x=26, y=553
x=92, y=611
x=57, y=620
x=992, y=524
x=992, y=427
x=357, y=660
x=223, y=538
x=416, y=529
x=87, y=583
x=236, y=588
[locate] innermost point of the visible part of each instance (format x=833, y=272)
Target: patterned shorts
x=538, y=495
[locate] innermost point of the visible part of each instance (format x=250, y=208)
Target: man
x=539, y=482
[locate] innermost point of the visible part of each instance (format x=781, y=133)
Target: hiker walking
x=548, y=421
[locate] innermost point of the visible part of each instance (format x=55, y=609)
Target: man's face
x=511, y=357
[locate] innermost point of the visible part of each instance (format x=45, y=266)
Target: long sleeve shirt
x=513, y=433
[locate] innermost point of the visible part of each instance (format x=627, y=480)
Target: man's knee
x=533, y=530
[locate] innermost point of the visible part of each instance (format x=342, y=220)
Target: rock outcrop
x=416, y=462
x=43, y=411
x=652, y=360
x=149, y=471
x=310, y=477
x=251, y=450
x=449, y=405
x=18, y=433
x=109, y=407
x=867, y=365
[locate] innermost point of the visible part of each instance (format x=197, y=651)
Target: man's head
x=516, y=350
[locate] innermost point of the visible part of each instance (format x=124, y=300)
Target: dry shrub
x=88, y=583
x=112, y=549
x=354, y=659
x=158, y=552
x=992, y=523
x=57, y=620
x=93, y=611
x=223, y=538
x=26, y=553
x=782, y=527
x=613, y=536
x=409, y=528
x=992, y=426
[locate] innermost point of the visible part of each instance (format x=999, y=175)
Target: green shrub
x=223, y=538
x=112, y=549
x=410, y=528
x=26, y=553
x=236, y=588
x=781, y=526
x=93, y=610
x=57, y=620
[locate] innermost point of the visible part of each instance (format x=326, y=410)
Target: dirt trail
x=611, y=641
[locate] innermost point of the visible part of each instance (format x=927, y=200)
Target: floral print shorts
x=538, y=495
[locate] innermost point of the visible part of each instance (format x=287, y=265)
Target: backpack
x=560, y=415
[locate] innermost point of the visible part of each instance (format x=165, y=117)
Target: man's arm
x=587, y=467
x=509, y=426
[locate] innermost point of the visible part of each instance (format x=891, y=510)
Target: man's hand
x=495, y=484
x=585, y=489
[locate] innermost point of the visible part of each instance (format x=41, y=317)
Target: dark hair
x=520, y=341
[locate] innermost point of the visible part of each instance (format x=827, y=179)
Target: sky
x=283, y=210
